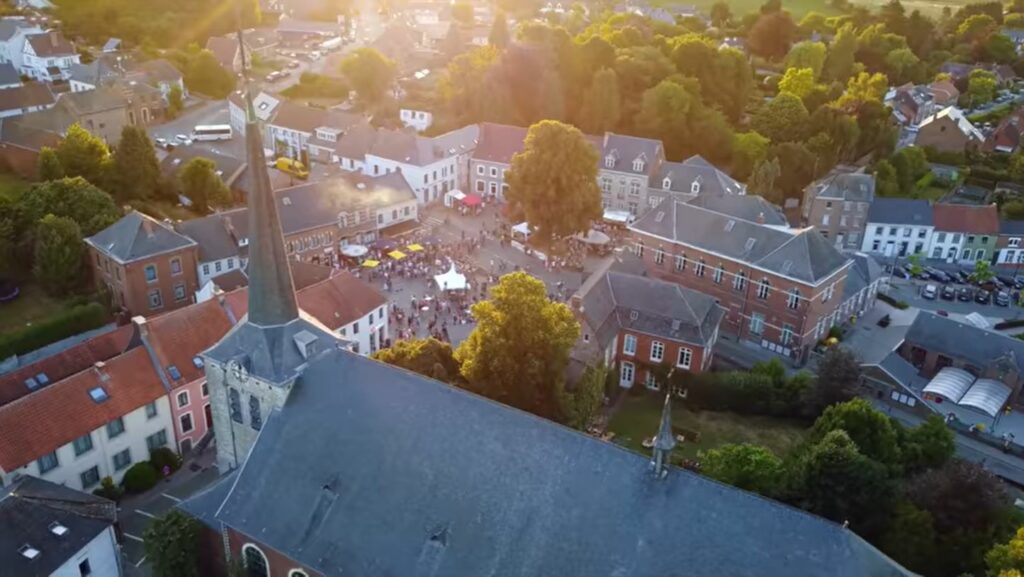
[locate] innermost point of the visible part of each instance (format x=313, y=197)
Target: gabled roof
x=320, y=203
x=428, y=479
x=865, y=270
x=218, y=234
x=407, y=147
x=912, y=211
x=1007, y=136
x=966, y=218
x=92, y=101
x=29, y=508
x=660, y=308
x=9, y=74
x=136, y=236
x=224, y=49
x=1011, y=227
x=304, y=274
x=334, y=302
x=156, y=71
x=98, y=72
x=11, y=26
x=845, y=186
x=26, y=96
x=955, y=115
x=50, y=44
x=745, y=206
x=624, y=150
x=979, y=347
x=307, y=119
x=499, y=142
x=63, y=364
x=27, y=425
x=180, y=336
x=228, y=167
x=682, y=175
x=944, y=92
x=803, y=255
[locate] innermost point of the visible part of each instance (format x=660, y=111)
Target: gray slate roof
x=425, y=479
x=408, y=147
x=957, y=340
x=864, y=271
x=136, y=236
x=663, y=309
x=10, y=26
x=626, y=149
x=499, y=142
x=682, y=175
x=802, y=254
x=916, y=212
x=29, y=506
x=1015, y=227
x=9, y=74
x=847, y=186
x=217, y=235
x=745, y=206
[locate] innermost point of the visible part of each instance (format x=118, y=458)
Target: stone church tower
x=254, y=368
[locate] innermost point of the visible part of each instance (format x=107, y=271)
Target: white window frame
x=627, y=367
x=684, y=358
x=188, y=399
x=181, y=422
x=659, y=348
x=628, y=340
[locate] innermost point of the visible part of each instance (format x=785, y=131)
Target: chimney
x=141, y=327
x=147, y=227
x=53, y=38
x=760, y=218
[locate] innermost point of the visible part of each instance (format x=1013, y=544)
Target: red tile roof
x=334, y=302
x=65, y=363
x=179, y=336
x=37, y=424
x=966, y=218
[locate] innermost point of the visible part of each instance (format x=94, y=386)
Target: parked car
x=938, y=275
x=900, y=272
x=160, y=142
x=965, y=294
x=948, y=293
x=183, y=139
x=292, y=167
x=1006, y=281
x=923, y=275
x=929, y=292
x=983, y=297
x=961, y=277
x=293, y=64
x=884, y=321
x=1003, y=298
x=1018, y=282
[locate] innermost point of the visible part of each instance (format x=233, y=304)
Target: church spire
x=271, y=290
x=665, y=441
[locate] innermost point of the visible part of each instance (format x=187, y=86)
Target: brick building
x=781, y=287
x=145, y=266
x=838, y=206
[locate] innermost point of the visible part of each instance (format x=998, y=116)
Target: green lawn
x=639, y=417
x=32, y=304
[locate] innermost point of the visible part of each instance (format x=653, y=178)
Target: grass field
x=639, y=416
x=32, y=304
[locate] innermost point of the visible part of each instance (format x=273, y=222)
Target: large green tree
x=59, y=255
x=429, y=357
x=204, y=74
x=981, y=87
x=748, y=149
x=749, y=467
x=601, y=103
x=929, y=445
x=83, y=154
x=807, y=54
x=841, y=61
x=764, y=178
x=675, y=114
x=874, y=433
x=771, y=35
x=581, y=403
x=136, y=169
x=370, y=73
x=200, y=184
x=518, y=352
x=172, y=545
x=783, y=119
x=49, y=165
x=553, y=181
x=798, y=81
x=838, y=378
x=72, y=198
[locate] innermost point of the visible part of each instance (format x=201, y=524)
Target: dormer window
x=609, y=161
x=695, y=187
x=638, y=165
x=666, y=184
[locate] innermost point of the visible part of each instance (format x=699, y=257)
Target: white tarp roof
x=986, y=395
x=522, y=228
x=451, y=280
x=977, y=320
x=457, y=194
x=951, y=383
x=617, y=216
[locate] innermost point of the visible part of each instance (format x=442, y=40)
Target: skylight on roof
x=174, y=372
x=42, y=379
x=197, y=362
x=729, y=225
x=660, y=216
x=750, y=243
x=786, y=266
x=29, y=552
x=31, y=383
x=57, y=529
x=98, y=394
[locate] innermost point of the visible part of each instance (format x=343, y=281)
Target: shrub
x=140, y=477
x=109, y=490
x=835, y=333
x=1010, y=324
x=164, y=457
x=896, y=303
x=68, y=322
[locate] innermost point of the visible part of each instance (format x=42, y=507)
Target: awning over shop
x=370, y=263
x=384, y=244
x=397, y=254
x=472, y=200
x=354, y=250
x=415, y=247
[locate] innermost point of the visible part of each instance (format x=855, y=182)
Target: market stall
x=451, y=280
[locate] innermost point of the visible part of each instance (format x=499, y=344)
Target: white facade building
x=945, y=245
x=418, y=119
x=48, y=56
x=13, y=32
x=99, y=556
x=898, y=227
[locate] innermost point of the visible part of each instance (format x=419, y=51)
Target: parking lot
x=959, y=295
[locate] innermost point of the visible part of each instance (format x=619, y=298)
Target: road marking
x=171, y=497
x=141, y=561
x=145, y=514
x=133, y=537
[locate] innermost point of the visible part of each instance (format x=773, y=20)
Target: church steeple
x=665, y=441
x=271, y=290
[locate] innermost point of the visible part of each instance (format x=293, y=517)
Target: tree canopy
x=369, y=72
x=200, y=184
x=749, y=467
x=172, y=545
x=428, y=357
x=136, y=169
x=82, y=154
x=59, y=255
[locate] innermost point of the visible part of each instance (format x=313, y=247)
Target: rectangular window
x=740, y=282
x=115, y=428
x=659, y=257
x=657, y=351
x=756, y=323
x=685, y=357
x=699, y=268
x=122, y=460
x=680, y=263
x=90, y=477
x=155, y=300
x=150, y=273
x=157, y=440
x=82, y=444
x=175, y=266
x=231, y=263
x=216, y=266
x=480, y=169
x=206, y=269
x=494, y=172
x=787, y=334
x=627, y=373
x=762, y=289
x=48, y=463
x=84, y=570
x=151, y=410
x=179, y=292
x=206, y=390
x=186, y=423
x=629, y=345
x=183, y=399
x=650, y=382
x=717, y=276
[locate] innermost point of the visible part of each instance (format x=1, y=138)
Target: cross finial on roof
x=665, y=441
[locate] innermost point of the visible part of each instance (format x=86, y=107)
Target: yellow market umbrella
x=414, y=247
x=396, y=254
x=370, y=263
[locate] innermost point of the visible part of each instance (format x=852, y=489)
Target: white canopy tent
x=522, y=228
x=451, y=280
x=453, y=197
x=618, y=216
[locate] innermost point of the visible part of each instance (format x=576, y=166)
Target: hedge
x=163, y=457
x=1010, y=324
x=896, y=303
x=68, y=322
x=140, y=478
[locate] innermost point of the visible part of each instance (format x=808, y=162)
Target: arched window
x=255, y=419
x=297, y=573
x=255, y=561
x=235, y=404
